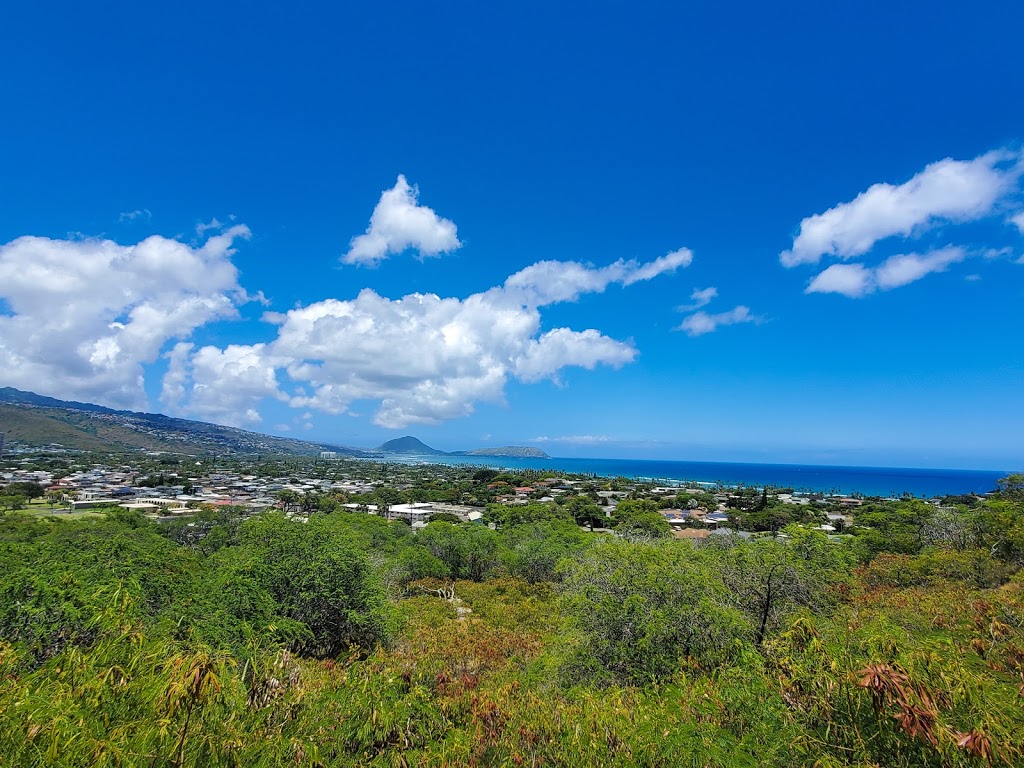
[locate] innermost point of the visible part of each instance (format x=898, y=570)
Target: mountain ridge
x=33, y=419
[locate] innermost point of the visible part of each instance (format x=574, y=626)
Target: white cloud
x=214, y=224
x=1018, y=221
x=946, y=191
x=251, y=371
x=400, y=222
x=86, y=315
x=670, y=262
x=132, y=215
x=991, y=254
x=698, y=299
x=426, y=359
x=701, y=322
x=907, y=268
x=550, y=282
x=857, y=280
x=556, y=349
x=853, y=280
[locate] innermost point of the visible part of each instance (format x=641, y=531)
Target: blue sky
x=205, y=211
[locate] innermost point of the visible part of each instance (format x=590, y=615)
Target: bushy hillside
x=36, y=421
x=344, y=640
x=72, y=429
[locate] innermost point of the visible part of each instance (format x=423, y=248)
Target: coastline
x=885, y=482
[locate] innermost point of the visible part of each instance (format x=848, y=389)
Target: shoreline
x=875, y=482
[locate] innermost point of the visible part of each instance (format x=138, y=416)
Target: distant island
x=512, y=451
x=414, y=446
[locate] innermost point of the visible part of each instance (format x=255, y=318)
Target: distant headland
x=415, y=446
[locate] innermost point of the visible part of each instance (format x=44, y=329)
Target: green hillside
x=347, y=641
x=34, y=420
x=74, y=430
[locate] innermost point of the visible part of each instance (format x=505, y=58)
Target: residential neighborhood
x=168, y=486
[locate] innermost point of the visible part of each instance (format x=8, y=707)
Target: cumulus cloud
x=857, y=280
x=85, y=319
x=562, y=347
x=251, y=370
x=702, y=322
x=399, y=222
x=1018, y=221
x=425, y=359
x=949, y=190
x=698, y=299
x=84, y=316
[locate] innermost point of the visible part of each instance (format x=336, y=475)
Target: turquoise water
x=869, y=481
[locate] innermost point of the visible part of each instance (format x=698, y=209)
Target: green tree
x=416, y=563
x=28, y=490
x=317, y=577
x=638, y=610
x=771, y=578
x=386, y=497
x=10, y=502
x=640, y=518
x=585, y=511
x=645, y=525
x=508, y=515
x=480, y=547
x=1011, y=487
x=289, y=500
x=445, y=542
x=533, y=551
x=469, y=551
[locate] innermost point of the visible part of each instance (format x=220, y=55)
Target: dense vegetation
x=335, y=638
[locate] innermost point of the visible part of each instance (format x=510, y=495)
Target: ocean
x=868, y=481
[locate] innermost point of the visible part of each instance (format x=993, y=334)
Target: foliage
x=771, y=578
x=10, y=502
x=469, y=551
x=505, y=515
x=316, y=576
x=640, y=610
x=533, y=551
x=27, y=490
x=268, y=640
